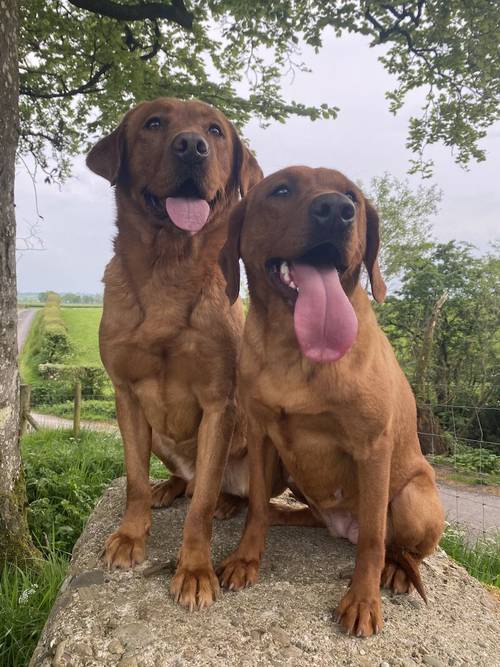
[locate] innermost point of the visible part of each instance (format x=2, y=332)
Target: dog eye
x=153, y=123
x=280, y=191
x=215, y=129
x=351, y=196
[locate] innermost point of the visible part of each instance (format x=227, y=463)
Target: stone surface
x=128, y=619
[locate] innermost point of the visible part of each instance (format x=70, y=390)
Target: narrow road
x=25, y=318
x=478, y=511
x=52, y=421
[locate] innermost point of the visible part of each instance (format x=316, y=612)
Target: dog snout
x=190, y=147
x=332, y=210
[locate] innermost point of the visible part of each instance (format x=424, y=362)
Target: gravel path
x=478, y=511
x=52, y=421
x=24, y=321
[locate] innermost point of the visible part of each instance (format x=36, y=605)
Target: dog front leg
x=359, y=611
x=241, y=568
x=195, y=584
x=127, y=546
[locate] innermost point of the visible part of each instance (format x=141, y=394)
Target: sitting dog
x=169, y=338
x=321, y=384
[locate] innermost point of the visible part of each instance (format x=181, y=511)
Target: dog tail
x=409, y=565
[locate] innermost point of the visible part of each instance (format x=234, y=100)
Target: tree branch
x=175, y=12
x=88, y=87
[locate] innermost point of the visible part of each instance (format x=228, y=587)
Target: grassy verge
x=480, y=558
x=28, y=361
x=26, y=598
x=64, y=477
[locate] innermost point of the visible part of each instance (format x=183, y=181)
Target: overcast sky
x=364, y=141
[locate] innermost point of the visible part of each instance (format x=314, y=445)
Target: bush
x=472, y=460
x=51, y=392
x=93, y=378
x=54, y=342
x=64, y=478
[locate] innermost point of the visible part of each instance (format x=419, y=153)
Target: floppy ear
x=250, y=172
x=246, y=170
x=229, y=258
x=371, y=253
x=107, y=157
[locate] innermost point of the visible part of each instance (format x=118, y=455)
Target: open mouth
x=281, y=271
x=186, y=207
x=325, y=323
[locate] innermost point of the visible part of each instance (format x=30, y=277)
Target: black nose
x=332, y=209
x=190, y=147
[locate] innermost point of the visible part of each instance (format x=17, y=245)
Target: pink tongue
x=188, y=214
x=325, y=323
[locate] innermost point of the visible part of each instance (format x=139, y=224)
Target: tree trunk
x=431, y=441
x=15, y=541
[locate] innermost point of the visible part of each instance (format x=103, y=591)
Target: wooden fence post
x=24, y=398
x=77, y=408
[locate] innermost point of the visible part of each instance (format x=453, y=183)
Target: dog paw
x=396, y=579
x=236, y=573
x=228, y=506
x=165, y=492
x=124, y=551
x=195, y=588
x=359, y=615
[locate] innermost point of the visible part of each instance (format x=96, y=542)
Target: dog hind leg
x=415, y=524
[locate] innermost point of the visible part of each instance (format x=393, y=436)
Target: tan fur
x=346, y=431
x=169, y=338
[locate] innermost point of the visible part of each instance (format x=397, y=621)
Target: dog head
x=177, y=161
x=303, y=235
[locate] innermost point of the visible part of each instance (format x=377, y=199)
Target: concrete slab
x=128, y=619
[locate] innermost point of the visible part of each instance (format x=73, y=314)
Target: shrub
x=473, y=460
x=93, y=378
x=54, y=340
x=48, y=393
x=64, y=478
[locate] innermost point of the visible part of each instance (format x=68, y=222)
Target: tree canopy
x=84, y=62
x=463, y=363
x=405, y=217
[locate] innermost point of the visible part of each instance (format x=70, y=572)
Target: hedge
x=55, y=345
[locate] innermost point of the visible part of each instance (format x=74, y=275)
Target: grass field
x=83, y=331
x=27, y=361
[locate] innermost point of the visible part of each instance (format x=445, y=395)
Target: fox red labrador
x=169, y=338
x=321, y=384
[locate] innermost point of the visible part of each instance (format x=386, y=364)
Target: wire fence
x=465, y=452
x=463, y=446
